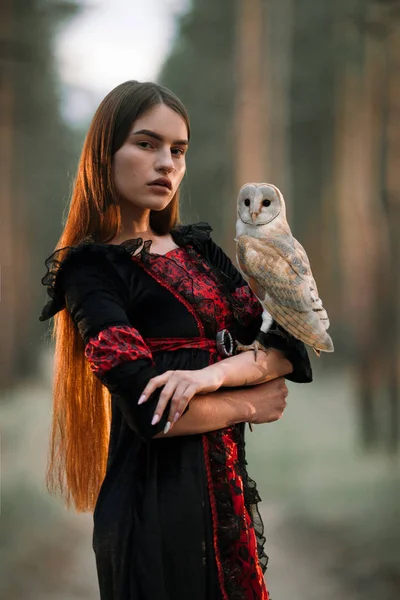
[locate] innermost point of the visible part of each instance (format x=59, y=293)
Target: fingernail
x=167, y=427
x=141, y=399
x=176, y=417
x=155, y=420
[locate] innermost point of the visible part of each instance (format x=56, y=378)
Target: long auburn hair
x=81, y=404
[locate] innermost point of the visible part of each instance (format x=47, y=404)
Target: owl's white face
x=259, y=204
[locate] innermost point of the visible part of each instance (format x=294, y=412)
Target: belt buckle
x=224, y=342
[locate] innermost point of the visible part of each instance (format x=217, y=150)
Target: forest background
x=300, y=93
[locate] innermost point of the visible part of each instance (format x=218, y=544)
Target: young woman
x=150, y=400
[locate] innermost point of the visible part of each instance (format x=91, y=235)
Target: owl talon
x=255, y=346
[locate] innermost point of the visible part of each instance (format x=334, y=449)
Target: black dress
x=176, y=518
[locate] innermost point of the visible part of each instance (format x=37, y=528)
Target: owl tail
x=305, y=326
x=325, y=344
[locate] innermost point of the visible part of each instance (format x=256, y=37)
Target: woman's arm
x=179, y=387
x=243, y=369
x=264, y=403
x=94, y=283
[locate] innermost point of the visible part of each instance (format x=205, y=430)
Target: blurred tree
x=251, y=108
x=37, y=153
x=313, y=106
x=366, y=196
x=314, y=58
x=383, y=28
x=355, y=188
x=200, y=70
x=391, y=207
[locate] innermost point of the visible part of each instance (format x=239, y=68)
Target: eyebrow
x=159, y=137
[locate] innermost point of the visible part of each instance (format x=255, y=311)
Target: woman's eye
x=144, y=144
x=178, y=151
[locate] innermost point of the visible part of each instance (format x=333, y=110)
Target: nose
x=165, y=162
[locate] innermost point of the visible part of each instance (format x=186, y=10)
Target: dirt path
x=299, y=568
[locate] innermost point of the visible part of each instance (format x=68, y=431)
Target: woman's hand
x=180, y=387
x=266, y=402
x=262, y=403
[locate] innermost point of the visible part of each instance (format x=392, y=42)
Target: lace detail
x=239, y=540
x=113, y=346
x=252, y=499
x=196, y=234
x=244, y=305
x=56, y=263
x=192, y=282
x=60, y=259
x=247, y=304
x=238, y=529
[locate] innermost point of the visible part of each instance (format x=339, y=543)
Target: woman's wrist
x=218, y=374
x=243, y=370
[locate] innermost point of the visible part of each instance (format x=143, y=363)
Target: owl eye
x=266, y=202
x=247, y=202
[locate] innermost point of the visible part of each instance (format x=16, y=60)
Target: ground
x=331, y=512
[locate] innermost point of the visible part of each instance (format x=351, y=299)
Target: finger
x=165, y=396
x=182, y=401
x=177, y=400
x=153, y=384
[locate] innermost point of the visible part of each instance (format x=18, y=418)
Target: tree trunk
x=250, y=106
x=7, y=222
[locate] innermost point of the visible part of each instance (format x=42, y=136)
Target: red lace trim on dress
x=172, y=344
x=214, y=512
x=157, y=276
x=244, y=551
x=247, y=304
x=113, y=346
x=239, y=571
x=192, y=282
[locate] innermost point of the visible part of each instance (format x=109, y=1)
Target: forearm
x=243, y=370
x=213, y=411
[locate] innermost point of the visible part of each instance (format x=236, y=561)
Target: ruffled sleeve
x=248, y=310
x=91, y=281
x=68, y=258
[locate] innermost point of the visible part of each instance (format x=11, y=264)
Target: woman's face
x=154, y=150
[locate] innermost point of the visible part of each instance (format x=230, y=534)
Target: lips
x=163, y=182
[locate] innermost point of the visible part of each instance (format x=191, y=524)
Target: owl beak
x=254, y=216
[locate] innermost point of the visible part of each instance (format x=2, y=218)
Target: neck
x=135, y=221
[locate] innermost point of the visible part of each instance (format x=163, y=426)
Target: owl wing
x=313, y=286
x=280, y=276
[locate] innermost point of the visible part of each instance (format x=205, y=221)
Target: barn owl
x=277, y=268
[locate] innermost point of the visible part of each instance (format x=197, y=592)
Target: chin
x=151, y=201
x=158, y=203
